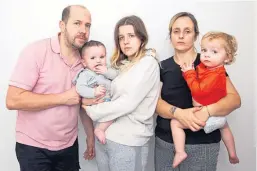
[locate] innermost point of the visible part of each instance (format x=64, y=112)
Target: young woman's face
x=183, y=34
x=129, y=42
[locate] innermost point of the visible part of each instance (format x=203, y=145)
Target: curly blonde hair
x=230, y=43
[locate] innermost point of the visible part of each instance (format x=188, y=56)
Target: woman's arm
x=142, y=78
x=229, y=103
x=185, y=116
x=224, y=106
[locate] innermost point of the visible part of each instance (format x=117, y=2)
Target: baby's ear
x=227, y=61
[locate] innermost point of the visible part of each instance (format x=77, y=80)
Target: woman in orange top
x=208, y=85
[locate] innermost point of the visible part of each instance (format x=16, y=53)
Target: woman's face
x=128, y=40
x=183, y=34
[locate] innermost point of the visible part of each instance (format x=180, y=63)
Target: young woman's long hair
x=140, y=32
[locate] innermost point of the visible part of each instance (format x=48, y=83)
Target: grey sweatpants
x=117, y=157
x=202, y=157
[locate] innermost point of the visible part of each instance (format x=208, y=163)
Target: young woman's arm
x=143, y=76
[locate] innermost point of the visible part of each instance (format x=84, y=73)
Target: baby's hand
x=101, y=69
x=186, y=67
x=100, y=90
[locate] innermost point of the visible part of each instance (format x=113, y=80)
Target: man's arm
x=87, y=123
x=21, y=99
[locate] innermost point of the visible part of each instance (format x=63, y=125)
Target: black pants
x=39, y=159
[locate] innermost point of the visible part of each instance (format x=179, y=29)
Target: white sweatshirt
x=134, y=97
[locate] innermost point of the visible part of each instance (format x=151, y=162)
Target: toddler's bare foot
x=179, y=157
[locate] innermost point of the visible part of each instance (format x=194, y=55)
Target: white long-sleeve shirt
x=134, y=97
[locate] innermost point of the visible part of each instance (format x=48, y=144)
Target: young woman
x=135, y=92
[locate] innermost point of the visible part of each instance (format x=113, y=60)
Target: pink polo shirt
x=42, y=69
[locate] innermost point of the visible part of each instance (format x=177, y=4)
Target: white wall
x=255, y=54
x=25, y=21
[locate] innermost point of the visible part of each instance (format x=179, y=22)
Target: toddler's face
x=213, y=53
x=94, y=56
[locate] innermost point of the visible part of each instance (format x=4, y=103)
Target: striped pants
x=201, y=157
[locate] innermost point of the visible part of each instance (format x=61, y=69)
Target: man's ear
x=62, y=26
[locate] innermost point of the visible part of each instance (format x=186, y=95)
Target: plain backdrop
x=23, y=22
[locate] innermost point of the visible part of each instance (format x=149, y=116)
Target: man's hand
x=70, y=97
x=89, y=154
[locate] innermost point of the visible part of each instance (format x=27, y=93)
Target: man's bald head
x=66, y=12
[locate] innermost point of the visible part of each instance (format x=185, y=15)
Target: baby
x=94, y=81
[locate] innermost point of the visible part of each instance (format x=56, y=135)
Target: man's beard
x=70, y=41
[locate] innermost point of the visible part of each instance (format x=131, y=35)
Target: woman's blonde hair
x=230, y=43
x=140, y=32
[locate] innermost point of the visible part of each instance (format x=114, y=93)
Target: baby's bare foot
x=100, y=135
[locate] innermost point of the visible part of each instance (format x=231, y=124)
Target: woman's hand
x=202, y=114
x=89, y=102
x=188, y=118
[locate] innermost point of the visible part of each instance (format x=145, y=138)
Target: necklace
x=185, y=59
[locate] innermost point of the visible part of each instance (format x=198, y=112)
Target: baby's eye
x=203, y=50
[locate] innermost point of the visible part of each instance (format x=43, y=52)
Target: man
x=41, y=90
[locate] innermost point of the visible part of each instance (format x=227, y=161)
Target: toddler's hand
x=186, y=67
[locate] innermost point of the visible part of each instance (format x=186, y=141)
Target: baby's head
x=93, y=54
x=218, y=48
